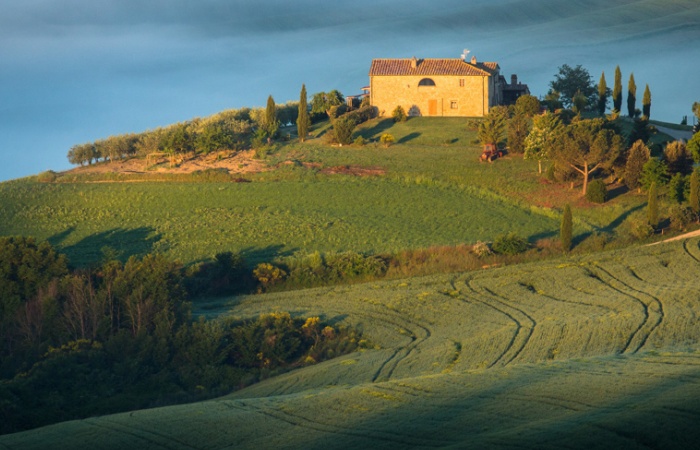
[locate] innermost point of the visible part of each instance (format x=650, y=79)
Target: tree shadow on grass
x=256, y=255
x=621, y=218
x=58, y=238
x=408, y=137
x=117, y=243
x=380, y=127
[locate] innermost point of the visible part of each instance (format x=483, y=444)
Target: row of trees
x=573, y=88
x=120, y=337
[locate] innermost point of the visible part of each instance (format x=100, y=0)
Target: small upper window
x=426, y=82
x=453, y=105
x=461, y=82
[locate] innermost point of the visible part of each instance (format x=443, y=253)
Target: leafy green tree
x=539, y=143
x=602, y=95
x=566, y=229
x=654, y=171
x=693, y=146
x=579, y=102
x=321, y=102
x=343, y=128
x=653, y=206
x=646, y=103
x=617, y=91
x=492, y=128
x=527, y=105
x=399, y=114
x=518, y=130
x=571, y=80
x=694, y=195
x=677, y=187
x=587, y=146
x=639, y=154
x=272, y=123
x=631, y=96
x=386, y=139
x=303, y=121
x=553, y=101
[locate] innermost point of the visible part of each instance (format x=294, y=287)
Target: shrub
x=386, y=139
x=677, y=187
x=342, y=129
x=681, y=217
x=481, y=249
x=509, y=244
x=641, y=229
x=399, y=114
x=654, y=171
x=268, y=275
x=597, y=192
x=47, y=177
x=551, y=173
x=360, y=141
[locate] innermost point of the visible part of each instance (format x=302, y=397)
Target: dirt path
x=677, y=238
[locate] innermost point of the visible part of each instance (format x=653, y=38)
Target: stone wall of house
x=452, y=96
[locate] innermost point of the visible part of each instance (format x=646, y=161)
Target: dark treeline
x=120, y=336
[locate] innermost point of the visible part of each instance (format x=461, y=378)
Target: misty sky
x=74, y=71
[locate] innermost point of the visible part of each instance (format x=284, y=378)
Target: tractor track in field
x=165, y=441
x=524, y=323
x=689, y=253
x=297, y=420
x=652, y=308
x=532, y=288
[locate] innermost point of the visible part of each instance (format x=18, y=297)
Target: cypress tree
x=694, y=198
x=566, y=229
x=272, y=125
x=617, y=91
x=303, y=121
x=653, y=206
x=631, y=96
x=646, y=103
x=602, y=95
x=639, y=154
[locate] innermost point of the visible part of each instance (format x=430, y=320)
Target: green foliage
x=646, y=103
x=639, y=154
x=398, y=114
x=540, y=142
x=321, y=103
x=677, y=187
x=617, y=91
x=653, y=206
x=566, y=229
x=597, y=191
x=271, y=125
x=693, y=147
x=681, y=217
x=268, y=275
x=359, y=141
x=654, y=171
x=509, y=244
x=528, y=105
x=386, y=139
x=553, y=101
x=678, y=158
x=579, y=102
x=631, y=96
x=518, y=130
x=694, y=194
x=343, y=128
x=602, y=95
x=571, y=80
x=492, y=128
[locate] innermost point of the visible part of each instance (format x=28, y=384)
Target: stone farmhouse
x=450, y=87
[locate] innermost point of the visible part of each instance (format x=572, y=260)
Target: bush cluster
x=597, y=192
x=509, y=244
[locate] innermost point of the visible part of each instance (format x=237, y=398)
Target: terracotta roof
x=451, y=66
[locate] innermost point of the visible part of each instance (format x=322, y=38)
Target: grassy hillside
x=428, y=189
x=597, y=351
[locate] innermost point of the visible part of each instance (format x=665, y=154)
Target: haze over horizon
x=84, y=70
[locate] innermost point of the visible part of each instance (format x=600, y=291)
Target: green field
x=595, y=351
x=431, y=190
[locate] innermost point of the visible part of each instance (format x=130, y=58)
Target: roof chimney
x=414, y=62
x=514, y=79
x=473, y=59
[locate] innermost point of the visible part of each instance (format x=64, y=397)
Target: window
x=426, y=82
x=461, y=82
x=453, y=104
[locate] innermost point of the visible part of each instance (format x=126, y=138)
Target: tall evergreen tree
x=631, y=96
x=602, y=95
x=639, y=154
x=694, y=198
x=303, y=121
x=566, y=229
x=653, y=206
x=272, y=125
x=646, y=103
x=617, y=91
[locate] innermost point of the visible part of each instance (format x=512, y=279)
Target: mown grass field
x=432, y=191
x=596, y=351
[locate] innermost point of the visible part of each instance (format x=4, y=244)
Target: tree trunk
x=539, y=166
x=585, y=178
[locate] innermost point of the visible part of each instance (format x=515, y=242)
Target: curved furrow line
x=688, y=252
x=653, y=307
x=534, y=290
x=129, y=430
x=521, y=333
x=370, y=434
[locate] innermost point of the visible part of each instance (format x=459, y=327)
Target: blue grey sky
x=74, y=71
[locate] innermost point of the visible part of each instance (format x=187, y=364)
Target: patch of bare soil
x=234, y=162
x=354, y=170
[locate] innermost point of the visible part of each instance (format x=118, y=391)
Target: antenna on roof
x=465, y=53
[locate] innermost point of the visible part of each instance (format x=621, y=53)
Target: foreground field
x=596, y=351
